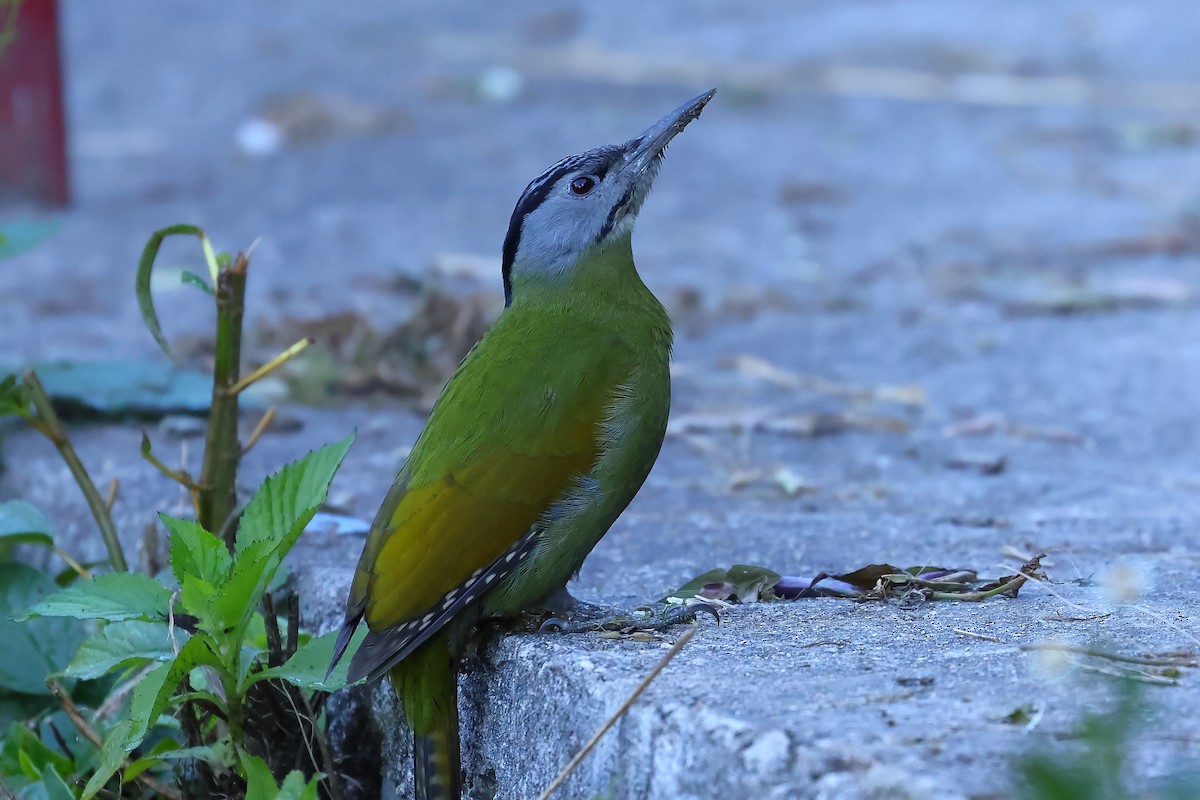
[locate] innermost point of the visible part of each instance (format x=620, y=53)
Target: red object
x=33, y=146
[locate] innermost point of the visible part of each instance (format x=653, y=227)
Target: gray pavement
x=958, y=238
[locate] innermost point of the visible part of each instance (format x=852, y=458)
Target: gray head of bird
x=588, y=199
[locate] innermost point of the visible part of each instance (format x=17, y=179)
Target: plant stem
x=218, y=475
x=53, y=429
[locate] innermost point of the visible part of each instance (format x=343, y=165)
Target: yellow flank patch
x=443, y=531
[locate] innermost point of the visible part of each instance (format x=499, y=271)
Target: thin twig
x=272, y=365
x=333, y=781
x=1012, y=585
x=641, y=687
x=80, y=570
x=293, y=625
x=983, y=636
x=52, y=428
x=180, y=476
x=259, y=430
x=113, y=488
x=1170, y=660
x=275, y=655
x=69, y=708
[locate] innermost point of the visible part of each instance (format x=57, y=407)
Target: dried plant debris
x=988, y=423
x=693, y=313
x=741, y=582
x=1163, y=668
x=354, y=357
x=978, y=462
x=755, y=367
x=806, y=425
x=874, y=582
x=1139, y=291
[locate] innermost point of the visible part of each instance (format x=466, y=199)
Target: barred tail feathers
x=427, y=682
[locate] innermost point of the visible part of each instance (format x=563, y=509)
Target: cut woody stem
x=218, y=475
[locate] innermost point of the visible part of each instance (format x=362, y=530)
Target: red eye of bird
x=582, y=185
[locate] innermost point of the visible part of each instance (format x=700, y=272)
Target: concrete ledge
x=812, y=699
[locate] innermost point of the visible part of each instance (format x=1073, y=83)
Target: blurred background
x=926, y=222
x=859, y=149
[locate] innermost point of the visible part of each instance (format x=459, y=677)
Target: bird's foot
x=564, y=604
x=656, y=618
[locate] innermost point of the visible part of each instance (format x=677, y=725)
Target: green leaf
x=56, y=787
x=20, y=235
x=234, y=604
x=148, y=702
x=296, y=787
x=22, y=523
x=112, y=756
x=152, y=692
x=308, y=666
x=120, y=643
x=288, y=499
x=30, y=755
x=33, y=649
x=271, y=524
x=192, y=279
x=219, y=754
x=146, y=269
x=260, y=783
x=14, y=397
x=114, y=597
x=196, y=552
x=747, y=583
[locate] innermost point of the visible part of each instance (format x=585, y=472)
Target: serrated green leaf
x=269, y=527
x=112, y=756
x=33, y=649
x=297, y=787
x=151, y=696
x=288, y=499
x=234, y=603
x=152, y=692
x=196, y=598
x=23, y=523
x=119, y=644
x=114, y=597
x=196, y=552
x=145, y=271
x=308, y=666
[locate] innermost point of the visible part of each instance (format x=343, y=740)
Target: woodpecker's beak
x=646, y=150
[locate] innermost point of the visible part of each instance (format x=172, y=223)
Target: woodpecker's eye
x=582, y=186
